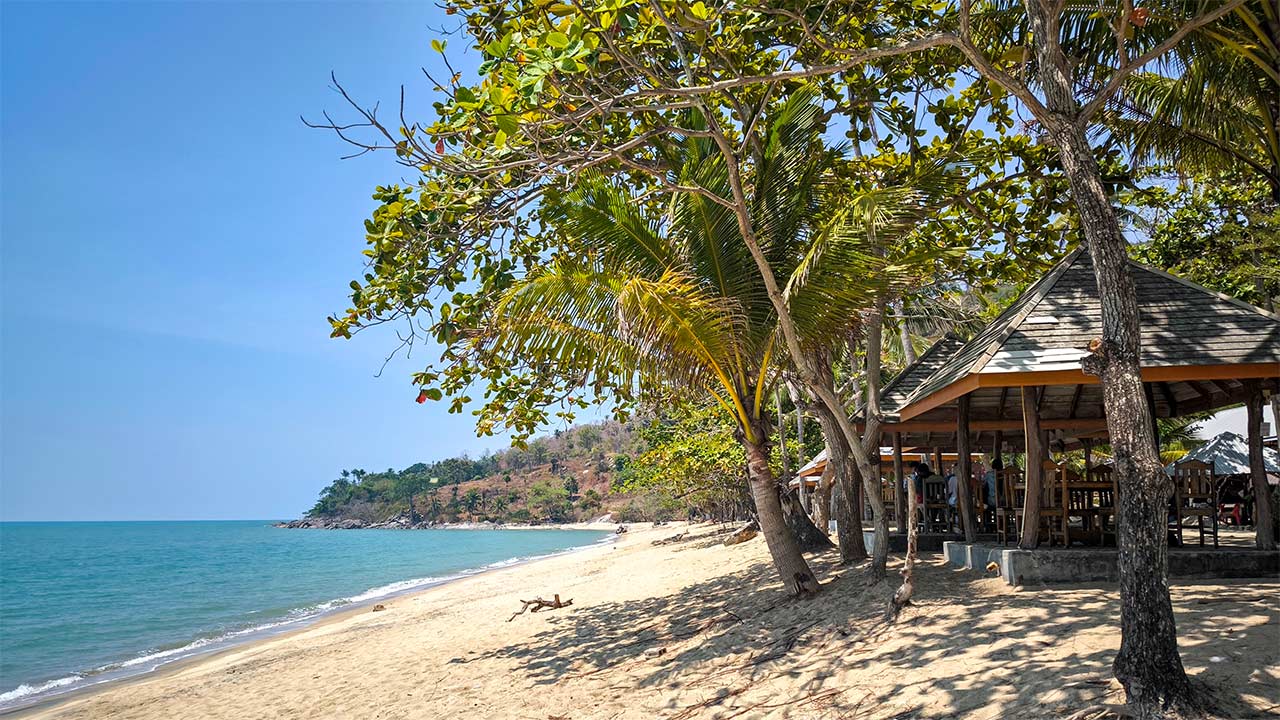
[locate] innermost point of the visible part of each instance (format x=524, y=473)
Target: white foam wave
x=25, y=690
x=26, y=693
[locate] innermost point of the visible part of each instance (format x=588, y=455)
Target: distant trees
x=549, y=501
x=381, y=495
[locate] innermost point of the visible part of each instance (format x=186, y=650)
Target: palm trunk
x=904, y=337
x=783, y=548
x=853, y=549
x=1148, y=664
x=822, y=498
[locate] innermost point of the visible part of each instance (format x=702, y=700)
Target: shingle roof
x=895, y=394
x=1229, y=454
x=1050, y=325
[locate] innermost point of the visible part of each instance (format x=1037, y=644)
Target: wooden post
x=1034, y=470
x=997, y=454
x=905, y=514
x=937, y=462
x=963, y=472
x=1264, y=531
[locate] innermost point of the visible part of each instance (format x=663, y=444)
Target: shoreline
x=690, y=628
x=122, y=676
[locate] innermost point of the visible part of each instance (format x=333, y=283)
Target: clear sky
x=173, y=238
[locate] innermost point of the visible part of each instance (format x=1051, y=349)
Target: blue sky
x=173, y=238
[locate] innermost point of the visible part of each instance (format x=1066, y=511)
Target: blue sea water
x=81, y=603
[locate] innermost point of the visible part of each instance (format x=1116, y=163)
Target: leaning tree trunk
x=1148, y=664
x=808, y=535
x=783, y=548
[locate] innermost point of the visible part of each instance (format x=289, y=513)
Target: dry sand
x=698, y=630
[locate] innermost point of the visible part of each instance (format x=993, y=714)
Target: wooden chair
x=1106, y=497
x=935, y=504
x=1008, y=501
x=889, y=499
x=1195, y=497
x=1053, y=516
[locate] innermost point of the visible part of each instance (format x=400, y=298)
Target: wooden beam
x=1075, y=399
x=1004, y=395
x=1034, y=470
x=933, y=426
x=1163, y=373
x=964, y=471
x=1200, y=389
x=1169, y=398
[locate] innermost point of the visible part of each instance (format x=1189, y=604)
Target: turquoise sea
x=82, y=603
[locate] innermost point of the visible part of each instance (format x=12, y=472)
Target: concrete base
x=1047, y=566
x=925, y=542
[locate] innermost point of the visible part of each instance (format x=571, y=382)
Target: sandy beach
x=694, y=629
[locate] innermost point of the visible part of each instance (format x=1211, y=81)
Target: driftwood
x=743, y=534
x=673, y=539
x=539, y=604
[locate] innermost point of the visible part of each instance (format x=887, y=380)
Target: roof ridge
x=1208, y=291
x=1038, y=291
x=1011, y=317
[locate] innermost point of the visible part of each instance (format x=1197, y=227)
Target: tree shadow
x=736, y=645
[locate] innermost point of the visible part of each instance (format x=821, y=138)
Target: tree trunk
x=807, y=534
x=903, y=596
x=783, y=548
x=853, y=548
x=904, y=337
x=1148, y=664
x=822, y=497
x=1034, y=475
x=964, y=470
x=1264, y=530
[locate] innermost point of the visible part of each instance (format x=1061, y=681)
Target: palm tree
x=667, y=297
x=1217, y=107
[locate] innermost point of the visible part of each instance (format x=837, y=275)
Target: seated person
x=919, y=472
x=989, y=483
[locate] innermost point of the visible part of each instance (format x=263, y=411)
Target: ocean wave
x=28, y=693
x=24, y=690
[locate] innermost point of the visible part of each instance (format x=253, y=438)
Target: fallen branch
x=539, y=604
x=673, y=539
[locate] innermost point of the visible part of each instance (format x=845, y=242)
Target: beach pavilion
x=1017, y=387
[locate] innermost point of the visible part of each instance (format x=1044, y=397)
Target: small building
x=1017, y=386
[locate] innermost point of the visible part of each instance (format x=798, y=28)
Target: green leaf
x=507, y=124
x=557, y=40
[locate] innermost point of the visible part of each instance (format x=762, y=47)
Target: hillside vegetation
x=565, y=477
